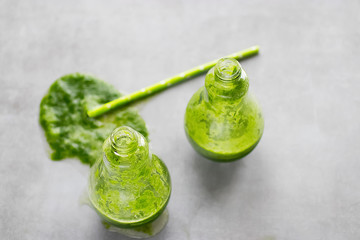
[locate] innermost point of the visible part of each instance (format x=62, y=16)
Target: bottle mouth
x=124, y=141
x=227, y=69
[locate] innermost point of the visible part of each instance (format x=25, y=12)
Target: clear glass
x=129, y=187
x=224, y=122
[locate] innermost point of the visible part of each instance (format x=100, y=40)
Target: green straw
x=164, y=84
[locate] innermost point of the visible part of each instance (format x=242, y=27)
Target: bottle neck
x=126, y=149
x=227, y=81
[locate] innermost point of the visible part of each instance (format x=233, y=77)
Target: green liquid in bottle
x=223, y=122
x=129, y=187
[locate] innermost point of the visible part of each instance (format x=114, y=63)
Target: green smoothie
x=128, y=187
x=69, y=131
x=223, y=121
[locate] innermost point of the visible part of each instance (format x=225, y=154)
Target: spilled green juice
x=68, y=130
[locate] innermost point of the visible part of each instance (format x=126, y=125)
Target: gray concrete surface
x=301, y=182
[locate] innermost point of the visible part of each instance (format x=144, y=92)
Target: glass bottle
x=129, y=187
x=223, y=121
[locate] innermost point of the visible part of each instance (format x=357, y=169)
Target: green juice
x=129, y=187
x=223, y=122
x=63, y=116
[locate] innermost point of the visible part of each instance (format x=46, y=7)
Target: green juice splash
x=223, y=122
x=69, y=131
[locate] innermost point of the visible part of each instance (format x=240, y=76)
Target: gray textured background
x=301, y=182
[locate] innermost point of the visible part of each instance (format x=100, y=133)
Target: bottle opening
x=227, y=69
x=124, y=140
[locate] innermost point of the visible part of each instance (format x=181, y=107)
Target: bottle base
x=221, y=157
x=144, y=231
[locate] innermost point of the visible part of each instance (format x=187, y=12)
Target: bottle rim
x=124, y=140
x=227, y=69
